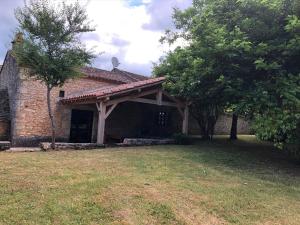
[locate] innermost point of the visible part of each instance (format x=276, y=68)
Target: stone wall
x=223, y=125
x=4, y=116
x=32, y=119
x=10, y=82
x=28, y=114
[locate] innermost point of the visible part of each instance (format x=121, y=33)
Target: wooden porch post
x=159, y=97
x=101, y=122
x=185, y=122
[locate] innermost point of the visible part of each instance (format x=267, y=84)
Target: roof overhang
x=121, y=90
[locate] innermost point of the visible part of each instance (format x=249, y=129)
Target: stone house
x=101, y=106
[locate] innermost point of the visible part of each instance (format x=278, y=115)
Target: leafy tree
x=274, y=96
x=207, y=71
x=188, y=77
x=253, y=47
x=51, y=47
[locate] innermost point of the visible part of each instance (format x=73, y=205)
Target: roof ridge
x=127, y=74
x=114, y=75
x=131, y=75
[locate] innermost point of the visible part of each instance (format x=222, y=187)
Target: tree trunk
x=206, y=116
x=233, y=131
x=205, y=134
x=51, y=117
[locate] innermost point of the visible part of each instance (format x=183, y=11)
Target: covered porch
x=118, y=106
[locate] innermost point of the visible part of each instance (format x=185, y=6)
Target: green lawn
x=246, y=182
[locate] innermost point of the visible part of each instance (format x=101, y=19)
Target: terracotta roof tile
x=110, y=91
x=131, y=76
x=115, y=75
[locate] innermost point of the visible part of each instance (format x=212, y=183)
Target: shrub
x=181, y=139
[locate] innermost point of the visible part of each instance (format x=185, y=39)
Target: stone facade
x=10, y=82
x=28, y=113
x=4, y=115
x=33, y=121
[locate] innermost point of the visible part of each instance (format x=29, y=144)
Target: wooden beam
x=127, y=98
x=185, y=122
x=101, y=122
x=137, y=89
x=173, y=98
x=94, y=126
x=112, y=107
x=153, y=102
x=98, y=106
x=159, y=97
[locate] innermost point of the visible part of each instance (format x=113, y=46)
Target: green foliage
x=276, y=110
x=50, y=44
x=51, y=47
x=241, y=55
x=181, y=139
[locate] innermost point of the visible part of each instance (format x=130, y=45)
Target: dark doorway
x=81, y=126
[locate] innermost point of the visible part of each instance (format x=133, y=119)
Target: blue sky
x=129, y=30
x=136, y=2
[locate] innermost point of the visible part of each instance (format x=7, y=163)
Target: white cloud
x=117, y=23
x=127, y=29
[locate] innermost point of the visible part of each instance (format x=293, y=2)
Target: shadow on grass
x=246, y=155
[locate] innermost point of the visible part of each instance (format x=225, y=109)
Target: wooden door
x=81, y=126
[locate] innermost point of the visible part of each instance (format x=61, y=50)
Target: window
x=162, y=119
x=61, y=94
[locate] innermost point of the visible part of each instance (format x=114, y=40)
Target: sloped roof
x=115, y=75
x=131, y=76
x=110, y=91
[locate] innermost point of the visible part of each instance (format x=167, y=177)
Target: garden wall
x=223, y=125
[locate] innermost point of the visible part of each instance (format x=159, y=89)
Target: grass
x=244, y=182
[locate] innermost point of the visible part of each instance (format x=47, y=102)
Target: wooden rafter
x=98, y=105
x=128, y=98
x=137, y=89
x=173, y=98
x=108, y=112
x=153, y=102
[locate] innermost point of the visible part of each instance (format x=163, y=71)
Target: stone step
x=4, y=145
x=46, y=146
x=147, y=141
x=22, y=149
